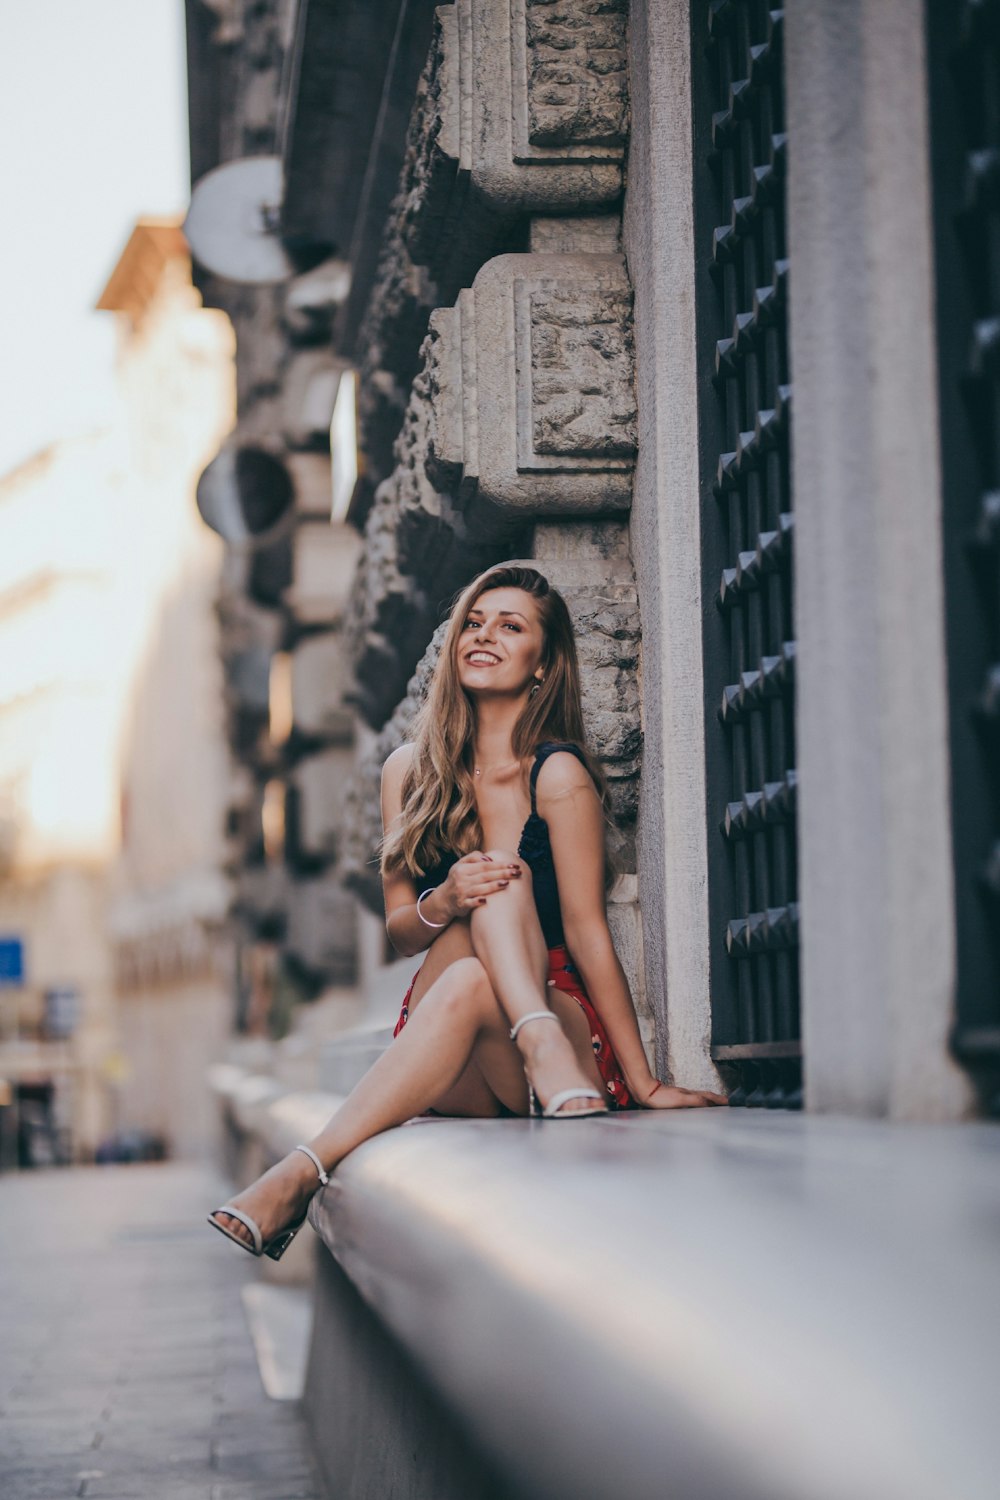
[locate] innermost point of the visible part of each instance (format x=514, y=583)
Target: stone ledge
x=276, y=1117
x=771, y=1306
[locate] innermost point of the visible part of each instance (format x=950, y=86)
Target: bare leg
x=508, y=940
x=454, y=1053
x=495, y=1071
x=427, y=1058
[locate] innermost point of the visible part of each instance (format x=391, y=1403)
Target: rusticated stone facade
x=488, y=446
x=522, y=108
x=547, y=428
x=576, y=83
x=498, y=347
x=481, y=297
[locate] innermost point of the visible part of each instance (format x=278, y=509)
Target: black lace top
x=536, y=851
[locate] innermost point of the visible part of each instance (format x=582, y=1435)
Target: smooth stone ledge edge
x=279, y=1118
x=779, y=1307
x=784, y=1307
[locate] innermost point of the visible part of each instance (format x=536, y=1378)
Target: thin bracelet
x=429, y=892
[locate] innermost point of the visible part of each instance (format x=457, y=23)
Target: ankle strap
x=324, y=1179
x=533, y=1015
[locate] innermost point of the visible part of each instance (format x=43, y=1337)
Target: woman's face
x=501, y=644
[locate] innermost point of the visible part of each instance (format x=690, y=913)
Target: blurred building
x=288, y=569
x=107, y=587
x=168, y=896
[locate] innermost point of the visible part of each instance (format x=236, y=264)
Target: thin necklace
x=500, y=765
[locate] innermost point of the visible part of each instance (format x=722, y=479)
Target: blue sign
x=11, y=960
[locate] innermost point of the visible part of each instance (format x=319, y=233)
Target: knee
x=468, y=989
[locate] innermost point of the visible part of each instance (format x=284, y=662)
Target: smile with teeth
x=482, y=659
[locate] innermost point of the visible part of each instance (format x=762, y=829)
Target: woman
x=493, y=862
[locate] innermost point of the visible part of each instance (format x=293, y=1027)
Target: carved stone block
x=601, y=596
x=523, y=108
x=573, y=90
x=535, y=411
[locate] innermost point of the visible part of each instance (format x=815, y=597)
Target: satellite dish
x=246, y=495
x=233, y=224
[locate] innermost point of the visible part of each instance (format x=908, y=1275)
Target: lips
x=482, y=659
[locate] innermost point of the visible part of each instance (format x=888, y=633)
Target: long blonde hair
x=439, y=805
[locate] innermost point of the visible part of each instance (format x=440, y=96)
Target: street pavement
x=126, y=1365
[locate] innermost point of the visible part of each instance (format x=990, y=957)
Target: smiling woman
x=520, y=647
x=494, y=865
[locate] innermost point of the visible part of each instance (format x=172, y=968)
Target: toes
x=235, y=1227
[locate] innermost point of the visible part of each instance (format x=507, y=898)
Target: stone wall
x=496, y=414
x=496, y=405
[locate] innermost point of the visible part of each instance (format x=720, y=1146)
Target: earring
x=535, y=686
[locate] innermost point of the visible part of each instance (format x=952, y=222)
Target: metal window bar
x=963, y=49
x=748, y=529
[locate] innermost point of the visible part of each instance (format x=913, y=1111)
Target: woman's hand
x=471, y=879
x=668, y=1096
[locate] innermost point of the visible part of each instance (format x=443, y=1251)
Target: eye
x=469, y=622
x=512, y=626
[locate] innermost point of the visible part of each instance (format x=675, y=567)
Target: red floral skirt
x=563, y=976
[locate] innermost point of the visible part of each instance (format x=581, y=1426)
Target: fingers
x=696, y=1098
x=477, y=856
x=480, y=885
x=480, y=895
x=707, y=1096
x=473, y=893
x=474, y=897
x=675, y=1097
x=474, y=888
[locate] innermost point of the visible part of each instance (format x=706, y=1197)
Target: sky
x=93, y=134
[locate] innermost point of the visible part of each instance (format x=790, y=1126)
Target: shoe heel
x=276, y=1248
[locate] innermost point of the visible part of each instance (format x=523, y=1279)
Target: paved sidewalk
x=126, y=1366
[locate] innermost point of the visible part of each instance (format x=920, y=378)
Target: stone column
x=665, y=544
x=878, y=942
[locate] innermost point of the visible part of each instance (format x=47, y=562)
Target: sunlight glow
x=344, y=445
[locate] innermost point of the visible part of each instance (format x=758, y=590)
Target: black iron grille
x=964, y=67
x=747, y=530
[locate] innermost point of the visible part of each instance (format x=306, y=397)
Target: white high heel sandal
x=278, y=1243
x=554, y=1109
